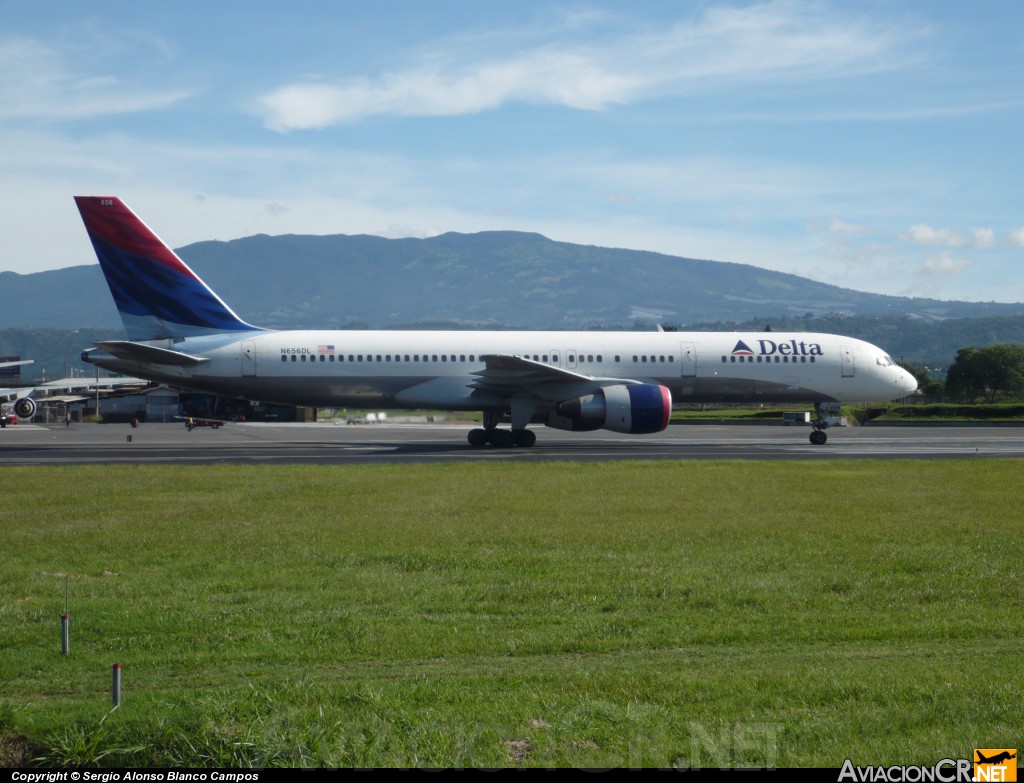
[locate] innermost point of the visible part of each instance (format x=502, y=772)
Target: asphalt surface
x=332, y=444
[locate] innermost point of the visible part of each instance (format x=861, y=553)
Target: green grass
x=608, y=614
x=953, y=412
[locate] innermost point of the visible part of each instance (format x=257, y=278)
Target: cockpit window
x=885, y=361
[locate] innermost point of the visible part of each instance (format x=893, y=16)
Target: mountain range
x=485, y=280
x=490, y=279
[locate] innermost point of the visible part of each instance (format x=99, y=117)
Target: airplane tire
x=502, y=439
x=478, y=438
x=524, y=438
x=818, y=438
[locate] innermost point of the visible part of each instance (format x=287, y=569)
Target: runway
x=335, y=444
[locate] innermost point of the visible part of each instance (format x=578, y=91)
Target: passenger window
x=434, y=357
x=284, y=357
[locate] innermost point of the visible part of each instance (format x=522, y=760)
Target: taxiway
x=251, y=443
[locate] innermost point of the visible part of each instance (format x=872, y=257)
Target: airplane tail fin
x=156, y=293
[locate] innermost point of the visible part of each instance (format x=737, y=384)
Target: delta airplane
x=182, y=334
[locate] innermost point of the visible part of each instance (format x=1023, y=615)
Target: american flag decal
x=325, y=349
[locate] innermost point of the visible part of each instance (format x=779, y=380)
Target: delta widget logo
x=742, y=349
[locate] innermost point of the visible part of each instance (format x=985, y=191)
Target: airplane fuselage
x=411, y=369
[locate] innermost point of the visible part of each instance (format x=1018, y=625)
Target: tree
x=987, y=372
x=926, y=384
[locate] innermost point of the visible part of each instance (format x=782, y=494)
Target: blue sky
x=874, y=145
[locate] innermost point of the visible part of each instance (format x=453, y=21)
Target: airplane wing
x=16, y=364
x=6, y=395
x=507, y=375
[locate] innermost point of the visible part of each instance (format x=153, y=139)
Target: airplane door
x=847, y=358
x=248, y=358
x=688, y=359
x=570, y=359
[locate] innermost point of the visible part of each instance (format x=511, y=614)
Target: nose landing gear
x=821, y=423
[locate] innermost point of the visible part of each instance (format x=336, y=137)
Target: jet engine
x=25, y=408
x=636, y=409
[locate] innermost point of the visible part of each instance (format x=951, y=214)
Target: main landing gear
x=502, y=439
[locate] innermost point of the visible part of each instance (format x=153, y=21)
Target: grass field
x=625, y=614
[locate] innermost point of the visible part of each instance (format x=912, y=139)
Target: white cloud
x=983, y=237
x=1016, y=238
x=945, y=264
x=936, y=273
x=922, y=234
x=38, y=83
x=842, y=227
x=773, y=41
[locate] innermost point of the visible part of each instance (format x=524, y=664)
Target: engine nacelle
x=25, y=408
x=636, y=409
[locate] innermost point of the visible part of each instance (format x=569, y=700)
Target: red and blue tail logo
x=156, y=293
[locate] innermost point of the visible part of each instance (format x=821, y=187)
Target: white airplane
x=23, y=400
x=182, y=334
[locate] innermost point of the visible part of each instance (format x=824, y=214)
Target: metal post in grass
x=65, y=629
x=117, y=685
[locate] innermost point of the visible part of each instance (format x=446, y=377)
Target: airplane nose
x=907, y=383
